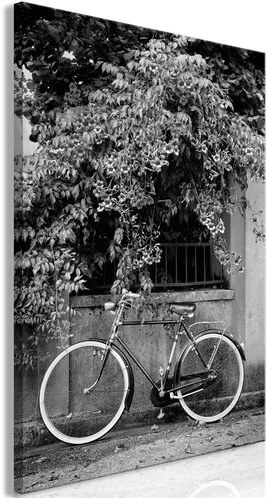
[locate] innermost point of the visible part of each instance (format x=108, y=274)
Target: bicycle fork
x=104, y=356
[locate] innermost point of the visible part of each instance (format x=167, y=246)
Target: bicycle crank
x=159, y=400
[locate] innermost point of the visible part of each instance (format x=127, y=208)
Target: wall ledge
x=197, y=296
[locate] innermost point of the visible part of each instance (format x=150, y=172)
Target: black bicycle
x=97, y=382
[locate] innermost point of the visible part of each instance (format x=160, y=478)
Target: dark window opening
x=182, y=266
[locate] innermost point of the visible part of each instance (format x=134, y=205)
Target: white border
x=234, y=22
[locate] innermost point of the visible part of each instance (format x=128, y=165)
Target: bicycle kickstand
x=161, y=414
x=161, y=374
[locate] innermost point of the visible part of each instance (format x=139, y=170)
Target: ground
x=56, y=464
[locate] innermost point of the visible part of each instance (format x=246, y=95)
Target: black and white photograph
x=139, y=260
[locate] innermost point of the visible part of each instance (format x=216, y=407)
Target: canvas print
x=139, y=247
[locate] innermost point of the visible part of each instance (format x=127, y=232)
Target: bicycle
x=97, y=382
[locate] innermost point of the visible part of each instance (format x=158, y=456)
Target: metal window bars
x=182, y=265
x=187, y=265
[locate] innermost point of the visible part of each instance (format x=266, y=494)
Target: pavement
x=47, y=466
x=233, y=473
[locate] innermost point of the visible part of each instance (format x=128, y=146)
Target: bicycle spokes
x=95, y=397
x=218, y=392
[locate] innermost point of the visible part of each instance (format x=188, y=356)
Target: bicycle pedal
x=161, y=414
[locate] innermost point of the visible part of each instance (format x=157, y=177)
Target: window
x=187, y=265
x=182, y=265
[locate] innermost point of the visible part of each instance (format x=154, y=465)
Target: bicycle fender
x=130, y=393
x=238, y=345
x=204, y=332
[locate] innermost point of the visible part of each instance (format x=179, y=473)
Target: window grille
x=182, y=265
x=187, y=265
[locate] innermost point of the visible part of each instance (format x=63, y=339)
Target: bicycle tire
x=217, y=399
x=69, y=413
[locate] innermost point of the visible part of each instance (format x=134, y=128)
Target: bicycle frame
x=119, y=322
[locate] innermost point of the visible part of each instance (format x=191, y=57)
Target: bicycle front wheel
x=72, y=411
x=217, y=398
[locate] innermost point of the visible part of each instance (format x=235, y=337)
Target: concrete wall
x=27, y=381
x=249, y=288
x=254, y=293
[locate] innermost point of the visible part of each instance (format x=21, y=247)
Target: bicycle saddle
x=183, y=308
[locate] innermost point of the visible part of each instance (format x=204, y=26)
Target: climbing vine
x=115, y=164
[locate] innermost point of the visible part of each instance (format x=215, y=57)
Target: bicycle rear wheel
x=217, y=398
x=69, y=411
